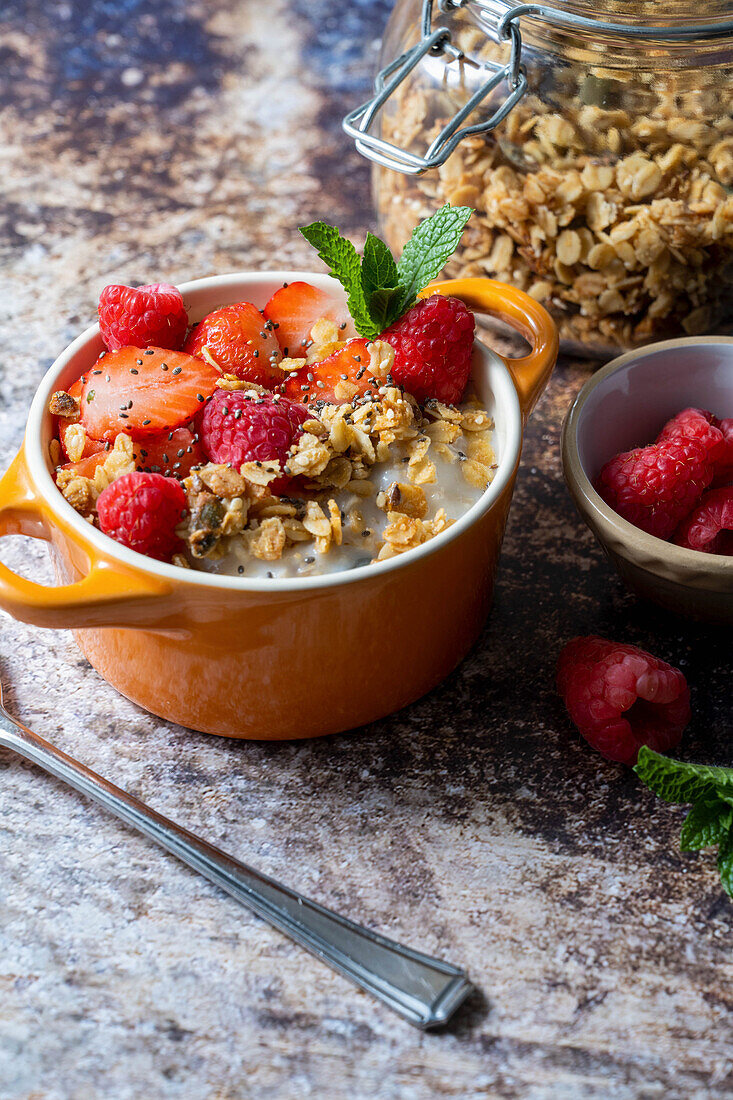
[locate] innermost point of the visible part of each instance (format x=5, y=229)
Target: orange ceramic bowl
x=265, y=659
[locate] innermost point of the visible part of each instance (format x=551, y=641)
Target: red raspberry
x=724, y=468
x=621, y=698
x=142, y=316
x=142, y=512
x=433, y=345
x=709, y=527
x=696, y=424
x=238, y=428
x=655, y=487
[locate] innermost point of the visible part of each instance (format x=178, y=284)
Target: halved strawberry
x=296, y=307
x=240, y=341
x=144, y=392
x=318, y=382
x=91, y=446
x=86, y=467
x=170, y=453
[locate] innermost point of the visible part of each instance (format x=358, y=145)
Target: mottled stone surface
x=144, y=141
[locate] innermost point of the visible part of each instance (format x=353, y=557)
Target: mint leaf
x=384, y=306
x=378, y=269
x=381, y=282
x=343, y=260
x=380, y=290
x=725, y=794
x=675, y=781
x=430, y=246
x=708, y=823
x=725, y=864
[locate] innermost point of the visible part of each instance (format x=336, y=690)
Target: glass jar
x=599, y=164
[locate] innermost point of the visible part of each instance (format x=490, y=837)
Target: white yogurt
x=450, y=491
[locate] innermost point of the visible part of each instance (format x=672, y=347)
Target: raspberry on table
x=655, y=487
x=142, y=511
x=237, y=427
x=709, y=526
x=433, y=345
x=142, y=316
x=621, y=697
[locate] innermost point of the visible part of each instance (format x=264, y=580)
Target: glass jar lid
x=618, y=28
x=620, y=13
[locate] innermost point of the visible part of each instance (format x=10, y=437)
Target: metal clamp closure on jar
x=359, y=121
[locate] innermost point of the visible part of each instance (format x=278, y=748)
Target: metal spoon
x=425, y=991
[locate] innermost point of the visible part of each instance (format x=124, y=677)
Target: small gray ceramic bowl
x=625, y=405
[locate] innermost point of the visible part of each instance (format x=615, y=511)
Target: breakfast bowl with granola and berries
x=647, y=453
x=275, y=501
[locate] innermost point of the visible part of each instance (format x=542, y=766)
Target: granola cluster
x=83, y=492
x=248, y=512
x=613, y=208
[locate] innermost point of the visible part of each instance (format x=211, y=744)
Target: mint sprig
x=427, y=250
x=343, y=259
x=710, y=790
x=379, y=290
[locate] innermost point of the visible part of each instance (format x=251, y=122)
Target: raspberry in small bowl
x=646, y=453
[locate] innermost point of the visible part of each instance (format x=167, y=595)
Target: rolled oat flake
x=594, y=142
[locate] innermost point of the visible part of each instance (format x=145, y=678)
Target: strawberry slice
x=296, y=307
x=170, y=453
x=240, y=341
x=351, y=364
x=91, y=446
x=86, y=467
x=144, y=392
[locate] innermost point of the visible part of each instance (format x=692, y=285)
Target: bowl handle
x=523, y=314
x=95, y=600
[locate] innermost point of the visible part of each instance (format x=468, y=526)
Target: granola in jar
x=605, y=193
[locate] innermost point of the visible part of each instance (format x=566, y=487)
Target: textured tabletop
x=145, y=141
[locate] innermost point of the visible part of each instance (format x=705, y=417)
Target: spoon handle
x=425, y=991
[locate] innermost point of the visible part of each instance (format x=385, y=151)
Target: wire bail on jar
x=358, y=122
